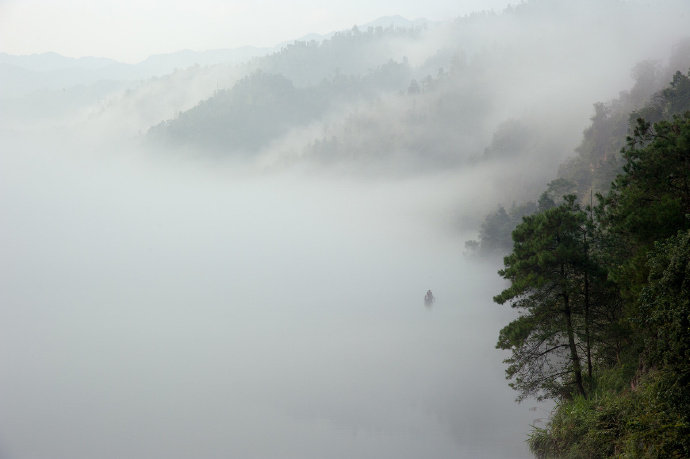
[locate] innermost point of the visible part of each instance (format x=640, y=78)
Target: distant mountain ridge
x=23, y=74
x=51, y=61
x=395, y=21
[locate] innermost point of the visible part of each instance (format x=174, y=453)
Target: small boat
x=429, y=299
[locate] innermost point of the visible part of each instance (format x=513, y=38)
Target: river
x=153, y=308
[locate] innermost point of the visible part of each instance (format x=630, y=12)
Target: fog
x=172, y=310
x=226, y=253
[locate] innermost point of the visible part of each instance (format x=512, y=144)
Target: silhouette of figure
x=429, y=299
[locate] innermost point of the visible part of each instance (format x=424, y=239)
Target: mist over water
x=156, y=309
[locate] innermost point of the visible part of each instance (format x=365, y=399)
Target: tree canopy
x=610, y=286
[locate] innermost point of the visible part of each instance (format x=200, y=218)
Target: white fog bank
x=155, y=310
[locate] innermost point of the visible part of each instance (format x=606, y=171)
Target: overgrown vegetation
x=604, y=294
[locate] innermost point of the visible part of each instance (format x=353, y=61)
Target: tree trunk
x=588, y=340
x=587, y=299
x=577, y=369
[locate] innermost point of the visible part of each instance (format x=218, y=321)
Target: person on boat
x=429, y=298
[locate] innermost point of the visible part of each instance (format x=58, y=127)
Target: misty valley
x=411, y=238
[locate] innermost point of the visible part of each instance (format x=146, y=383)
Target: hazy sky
x=130, y=30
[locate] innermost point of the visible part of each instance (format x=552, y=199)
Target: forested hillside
x=264, y=106
x=602, y=291
x=658, y=93
x=429, y=96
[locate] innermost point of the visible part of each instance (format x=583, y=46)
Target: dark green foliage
x=627, y=282
x=545, y=269
x=652, y=198
x=665, y=306
x=650, y=201
x=649, y=421
x=630, y=306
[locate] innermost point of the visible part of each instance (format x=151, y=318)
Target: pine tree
x=546, y=270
